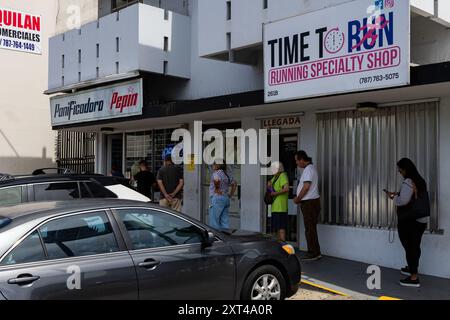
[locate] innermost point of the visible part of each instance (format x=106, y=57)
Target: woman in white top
x=410, y=230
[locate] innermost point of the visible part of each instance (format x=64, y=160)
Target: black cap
x=302, y=155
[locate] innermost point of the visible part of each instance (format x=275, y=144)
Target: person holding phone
x=410, y=231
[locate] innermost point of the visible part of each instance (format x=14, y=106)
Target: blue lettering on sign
x=73, y=109
x=379, y=4
x=363, y=34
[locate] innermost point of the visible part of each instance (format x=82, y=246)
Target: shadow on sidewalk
x=351, y=275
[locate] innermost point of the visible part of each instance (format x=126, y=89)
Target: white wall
x=443, y=12
x=246, y=21
x=141, y=30
x=248, y=17
x=251, y=194
x=192, y=185
x=212, y=26
x=152, y=30
x=75, y=13
x=438, y=10
x=430, y=42
x=423, y=7
x=178, y=6
x=373, y=246
x=24, y=109
x=210, y=78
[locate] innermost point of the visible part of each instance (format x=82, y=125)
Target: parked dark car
x=89, y=186
x=22, y=189
x=5, y=176
x=117, y=249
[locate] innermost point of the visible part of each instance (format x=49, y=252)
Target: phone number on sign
x=14, y=44
x=379, y=78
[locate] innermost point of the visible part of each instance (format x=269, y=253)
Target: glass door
x=114, y=154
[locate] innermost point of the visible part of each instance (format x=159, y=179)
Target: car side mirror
x=209, y=240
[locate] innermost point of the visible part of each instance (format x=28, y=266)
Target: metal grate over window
x=357, y=155
x=75, y=151
x=147, y=145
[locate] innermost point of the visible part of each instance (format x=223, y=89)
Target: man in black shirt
x=145, y=179
x=171, y=182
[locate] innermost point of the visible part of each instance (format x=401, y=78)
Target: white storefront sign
x=20, y=31
x=116, y=101
x=360, y=45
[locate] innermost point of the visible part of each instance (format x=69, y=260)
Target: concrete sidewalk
x=350, y=278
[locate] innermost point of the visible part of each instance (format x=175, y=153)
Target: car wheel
x=265, y=283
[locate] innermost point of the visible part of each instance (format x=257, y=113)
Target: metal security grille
x=357, y=156
x=147, y=145
x=76, y=151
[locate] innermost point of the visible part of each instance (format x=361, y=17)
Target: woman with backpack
x=413, y=210
x=221, y=189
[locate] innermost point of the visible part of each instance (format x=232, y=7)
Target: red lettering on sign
x=125, y=101
x=19, y=20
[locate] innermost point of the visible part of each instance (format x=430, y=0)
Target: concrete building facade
x=27, y=141
x=203, y=60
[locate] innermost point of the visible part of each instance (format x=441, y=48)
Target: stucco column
x=192, y=202
x=251, y=188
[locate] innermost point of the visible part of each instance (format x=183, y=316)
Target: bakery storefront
x=99, y=110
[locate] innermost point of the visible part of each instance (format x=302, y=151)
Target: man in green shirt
x=279, y=187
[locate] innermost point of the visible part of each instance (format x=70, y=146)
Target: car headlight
x=289, y=249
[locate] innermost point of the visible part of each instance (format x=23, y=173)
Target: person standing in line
x=308, y=198
x=145, y=179
x=221, y=189
x=410, y=229
x=171, y=182
x=116, y=172
x=279, y=186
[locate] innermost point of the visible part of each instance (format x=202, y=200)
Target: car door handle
x=149, y=264
x=23, y=280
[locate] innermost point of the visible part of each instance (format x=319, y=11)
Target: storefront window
x=148, y=146
x=357, y=156
x=139, y=147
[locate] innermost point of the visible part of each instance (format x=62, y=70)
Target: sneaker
x=405, y=271
x=311, y=257
x=408, y=282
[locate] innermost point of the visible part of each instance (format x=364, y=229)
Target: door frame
x=265, y=211
x=108, y=149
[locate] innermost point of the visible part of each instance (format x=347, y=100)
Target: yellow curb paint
x=388, y=299
x=323, y=288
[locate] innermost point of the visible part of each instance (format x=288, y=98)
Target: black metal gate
x=76, y=151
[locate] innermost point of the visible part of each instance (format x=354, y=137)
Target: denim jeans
x=219, y=212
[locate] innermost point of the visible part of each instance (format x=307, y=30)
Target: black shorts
x=279, y=221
